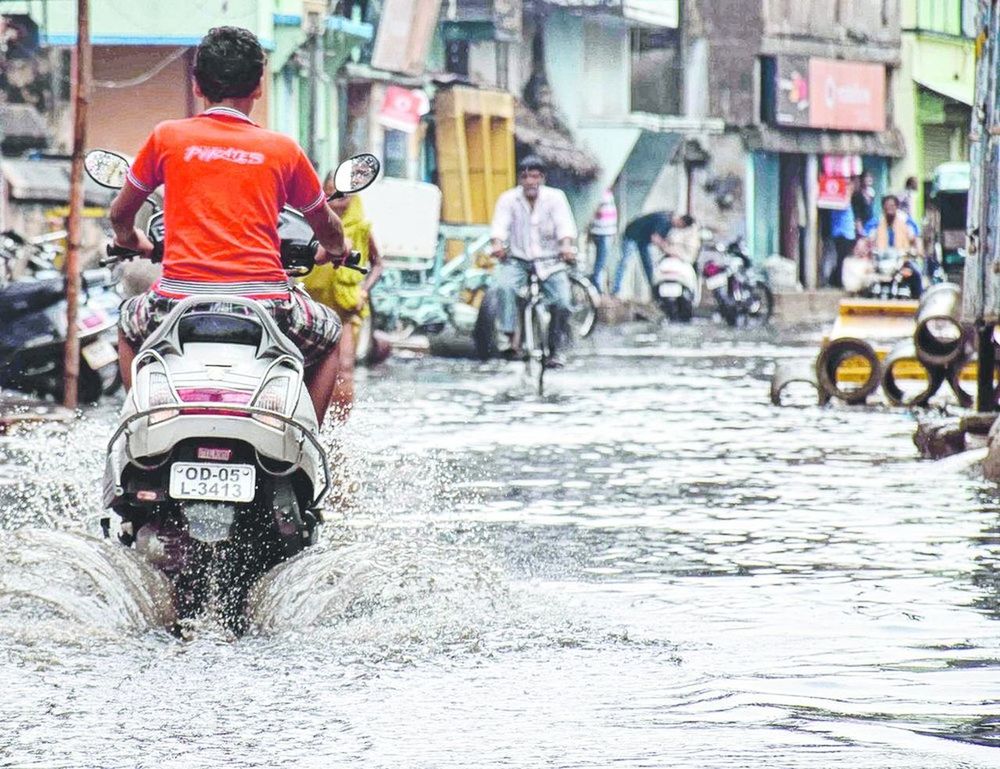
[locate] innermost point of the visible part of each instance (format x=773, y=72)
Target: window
x=456, y=57
x=656, y=71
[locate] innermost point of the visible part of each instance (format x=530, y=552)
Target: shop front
x=824, y=124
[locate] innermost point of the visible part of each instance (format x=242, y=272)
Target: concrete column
x=811, y=256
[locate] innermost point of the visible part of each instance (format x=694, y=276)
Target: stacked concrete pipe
x=835, y=354
x=939, y=337
x=940, y=344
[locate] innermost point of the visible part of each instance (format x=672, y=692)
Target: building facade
x=805, y=90
x=935, y=86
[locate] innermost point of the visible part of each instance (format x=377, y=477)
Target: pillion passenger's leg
x=320, y=380
x=138, y=317
x=126, y=354
x=316, y=330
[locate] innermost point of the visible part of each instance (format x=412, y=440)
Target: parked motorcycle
x=741, y=294
x=215, y=468
x=33, y=323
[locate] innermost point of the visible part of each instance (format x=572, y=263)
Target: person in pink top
x=603, y=230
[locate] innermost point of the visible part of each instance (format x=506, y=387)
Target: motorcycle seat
x=219, y=328
x=21, y=297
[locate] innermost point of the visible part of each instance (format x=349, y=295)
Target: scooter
x=676, y=288
x=215, y=468
x=33, y=324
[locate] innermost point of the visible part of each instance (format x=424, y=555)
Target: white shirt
x=533, y=233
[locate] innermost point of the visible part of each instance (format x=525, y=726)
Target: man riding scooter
x=226, y=180
x=537, y=223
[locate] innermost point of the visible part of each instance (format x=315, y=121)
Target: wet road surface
x=650, y=567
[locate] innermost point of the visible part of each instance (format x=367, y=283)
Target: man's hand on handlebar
x=324, y=257
x=568, y=254
x=498, y=250
x=136, y=241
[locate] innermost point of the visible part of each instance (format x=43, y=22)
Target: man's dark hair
x=887, y=198
x=687, y=220
x=228, y=64
x=531, y=163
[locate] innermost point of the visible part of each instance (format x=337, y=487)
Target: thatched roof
x=553, y=143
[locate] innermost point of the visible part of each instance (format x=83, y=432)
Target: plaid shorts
x=313, y=328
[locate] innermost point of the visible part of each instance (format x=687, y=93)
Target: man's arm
x=500, y=228
x=124, y=208
x=329, y=232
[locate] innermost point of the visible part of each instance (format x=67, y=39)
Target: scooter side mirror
x=355, y=174
x=107, y=168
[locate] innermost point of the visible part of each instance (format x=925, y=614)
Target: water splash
x=65, y=583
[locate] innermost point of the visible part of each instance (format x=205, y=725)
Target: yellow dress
x=340, y=287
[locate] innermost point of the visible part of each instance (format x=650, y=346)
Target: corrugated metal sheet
x=47, y=181
x=810, y=142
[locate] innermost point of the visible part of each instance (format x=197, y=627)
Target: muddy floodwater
x=650, y=567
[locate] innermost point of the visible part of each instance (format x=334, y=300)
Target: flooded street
x=650, y=567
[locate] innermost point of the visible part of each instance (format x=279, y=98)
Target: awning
x=810, y=142
x=552, y=143
x=47, y=181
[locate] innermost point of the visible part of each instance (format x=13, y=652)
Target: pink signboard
x=845, y=95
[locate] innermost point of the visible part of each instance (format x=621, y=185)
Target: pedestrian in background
x=863, y=205
x=603, y=229
x=908, y=198
x=844, y=231
x=640, y=236
x=345, y=291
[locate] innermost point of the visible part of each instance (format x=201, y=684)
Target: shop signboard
x=846, y=95
x=829, y=94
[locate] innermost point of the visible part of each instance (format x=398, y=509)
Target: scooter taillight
x=711, y=269
x=214, y=395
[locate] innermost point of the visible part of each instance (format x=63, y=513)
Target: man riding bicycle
x=226, y=180
x=537, y=223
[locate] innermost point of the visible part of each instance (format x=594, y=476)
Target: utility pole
x=81, y=90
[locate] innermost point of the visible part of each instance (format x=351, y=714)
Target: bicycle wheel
x=585, y=298
x=539, y=351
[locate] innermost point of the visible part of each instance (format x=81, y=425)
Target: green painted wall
x=943, y=64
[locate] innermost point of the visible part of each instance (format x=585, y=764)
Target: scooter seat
x=219, y=328
x=24, y=296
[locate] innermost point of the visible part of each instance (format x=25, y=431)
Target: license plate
x=99, y=354
x=670, y=290
x=203, y=480
x=716, y=281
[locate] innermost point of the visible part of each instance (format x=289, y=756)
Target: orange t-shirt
x=226, y=179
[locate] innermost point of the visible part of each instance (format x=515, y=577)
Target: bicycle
x=535, y=326
x=582, y=319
